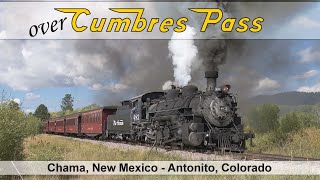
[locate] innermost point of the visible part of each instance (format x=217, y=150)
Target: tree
x=14, y=105
x=42, y=112
x=15, y=126
x=308, y=119
x=290, y=123
x=67, y=103
x=264, y=118
x=90, y=107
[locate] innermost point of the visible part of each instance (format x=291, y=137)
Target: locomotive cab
x=140, y=105
x=131, y=117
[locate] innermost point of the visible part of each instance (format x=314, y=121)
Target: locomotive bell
x=211, y=77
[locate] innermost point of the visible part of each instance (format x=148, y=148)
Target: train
x=183, y=117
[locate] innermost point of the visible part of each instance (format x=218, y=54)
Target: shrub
x=14, y=127
x=295, y=121
x=264, y=118
x=303, y=143
x=290, y=123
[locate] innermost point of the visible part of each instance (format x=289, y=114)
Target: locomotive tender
x=183, y=117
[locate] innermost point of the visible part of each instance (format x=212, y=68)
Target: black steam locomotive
x=182, y=117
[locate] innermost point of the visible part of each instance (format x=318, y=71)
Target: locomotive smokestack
x=211, y=79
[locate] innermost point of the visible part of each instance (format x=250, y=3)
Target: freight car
x=184, y=117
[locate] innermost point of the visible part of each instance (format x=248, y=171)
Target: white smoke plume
x=167, y=85
x=183, y=53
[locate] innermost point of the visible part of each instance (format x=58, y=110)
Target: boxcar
x=94, y=122
x=73, y=124
x=60, y=125
x=52, y=126
x=45, y=126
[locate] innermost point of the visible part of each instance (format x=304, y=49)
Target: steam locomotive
x=184, y=117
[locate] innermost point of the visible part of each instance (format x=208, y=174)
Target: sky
x=35, y=72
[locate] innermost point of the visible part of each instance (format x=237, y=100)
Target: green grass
x=46, y=147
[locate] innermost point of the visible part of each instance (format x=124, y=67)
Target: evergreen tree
x=42, y=112
x=67, y=103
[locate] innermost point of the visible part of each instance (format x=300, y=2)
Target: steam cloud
x=116, y=70
x=212, y=52
x=183, y=52
x=147, y=65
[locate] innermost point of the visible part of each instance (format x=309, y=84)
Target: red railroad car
x=94, y=122
x=51, y=126
x=73, y=124
x=45, y=126
x=60, y=125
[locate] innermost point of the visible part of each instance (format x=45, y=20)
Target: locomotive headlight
x=226, y=88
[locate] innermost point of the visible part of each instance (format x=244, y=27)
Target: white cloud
x=26, y=53
x=267, y=84
x=307, y=74
x=27, y=111
x=32, y=97
x=27, y=65
x=3, y=34
x=17, y=100
x=97, y=87
x=306, y=22
x=315, y=88
x=112, y=87
x=309, y=55
x=118, y=87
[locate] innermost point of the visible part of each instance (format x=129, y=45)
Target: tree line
x=274, y=130
x=42, y=111
x=66, y=106
x=265, y=118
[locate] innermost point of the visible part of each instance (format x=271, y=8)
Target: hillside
x=288, y=98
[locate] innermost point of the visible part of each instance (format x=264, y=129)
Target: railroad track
x=274, y=157
x=237, y=156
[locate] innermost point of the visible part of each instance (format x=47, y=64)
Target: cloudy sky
x=106, y=71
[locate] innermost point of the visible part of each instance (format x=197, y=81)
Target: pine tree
x=67, y=103
x=42, y=112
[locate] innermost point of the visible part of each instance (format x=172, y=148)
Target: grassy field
x=46, y=147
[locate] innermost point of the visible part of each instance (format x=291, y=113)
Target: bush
x=304, y=143
x=290, y=123
x=14, y=127
x=264, y=118
x=295, y=121
x=308, y=119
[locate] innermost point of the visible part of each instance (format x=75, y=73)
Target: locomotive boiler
x=189, y=117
